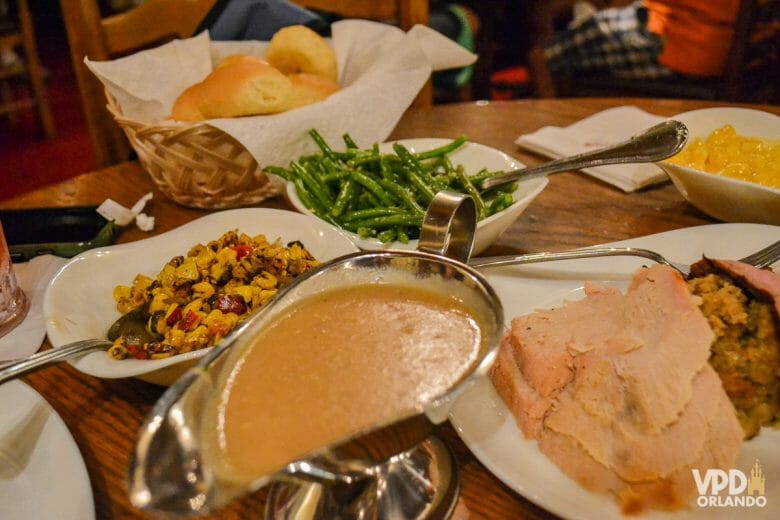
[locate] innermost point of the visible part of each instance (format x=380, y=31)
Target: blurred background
x=38, y=149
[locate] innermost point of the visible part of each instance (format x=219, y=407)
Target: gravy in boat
x=336, y=363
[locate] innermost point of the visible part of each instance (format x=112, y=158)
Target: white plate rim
x=187, y=235
x=73, y=470
x=577, y=503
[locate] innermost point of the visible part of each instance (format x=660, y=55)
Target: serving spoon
x=19, y=367
x=654, y=144
x=130, y=324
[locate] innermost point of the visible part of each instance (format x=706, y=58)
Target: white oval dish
x=78, y=303
x=473, y=157
x=726, y=199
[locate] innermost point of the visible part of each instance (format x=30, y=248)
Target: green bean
x=363, y=160
x=363, y=214
x=312, y=184
x=336, y=176
x=349, y=142
x=372, y=186
x=387, y=235
x=367, y=200
x=402, y=235
x=497, y=190
x=326, y=150
x=401, y=219
x=317, y=172
x=448, y=176
x=281, y=172
x=365, y=232
x=481, y=175
x=442, y=150
x=308, y=198
x=387, y=172
x=406, y=198
x=471, y=190
x=501, y=202
x=414, y=166
x=343, y=198
x=423, y=189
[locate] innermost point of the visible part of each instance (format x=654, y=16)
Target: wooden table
x=574, y=210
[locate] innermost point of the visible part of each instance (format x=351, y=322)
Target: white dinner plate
x=78, y=303
x=489, y=430
x=42, y=474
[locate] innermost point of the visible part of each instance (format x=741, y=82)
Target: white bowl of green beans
x=378, y=196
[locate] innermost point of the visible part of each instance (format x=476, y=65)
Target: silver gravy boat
x=394, y=469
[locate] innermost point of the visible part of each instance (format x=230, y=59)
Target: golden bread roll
x=239, y=86
x=308, y=89
x=234, y=59
x=186, y=107
x=297, y=49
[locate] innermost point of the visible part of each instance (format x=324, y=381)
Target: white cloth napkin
x=597, y=131
x=33, y=277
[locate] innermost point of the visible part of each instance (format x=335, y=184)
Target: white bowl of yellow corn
x=730, y=167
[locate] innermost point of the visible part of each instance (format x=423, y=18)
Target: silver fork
x=763, y=258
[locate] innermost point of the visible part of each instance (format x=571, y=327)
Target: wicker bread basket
x=196, y=164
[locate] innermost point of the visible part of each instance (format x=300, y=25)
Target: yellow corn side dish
x=197, y=299
x=726, y=153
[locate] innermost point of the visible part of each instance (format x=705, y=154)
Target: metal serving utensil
x=654, y=144
x=19, y=367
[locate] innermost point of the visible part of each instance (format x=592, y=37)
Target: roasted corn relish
x=726, y=153
x=195, y=300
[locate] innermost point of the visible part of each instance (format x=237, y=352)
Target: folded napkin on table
x=33, y=277
x=597, y=131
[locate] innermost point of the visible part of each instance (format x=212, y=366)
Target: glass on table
x=13, y=302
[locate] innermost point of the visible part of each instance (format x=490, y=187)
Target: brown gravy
x=336, y=363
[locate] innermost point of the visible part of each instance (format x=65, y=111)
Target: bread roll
x=239, y=86
x=298, y=49
x=308, y=89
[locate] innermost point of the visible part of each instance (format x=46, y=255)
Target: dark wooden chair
x=752, y=71
x=20, y=34
x=101, y=38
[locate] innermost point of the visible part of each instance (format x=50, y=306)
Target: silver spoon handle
x=495, y=261
x=654, y=144
x=19, y=367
